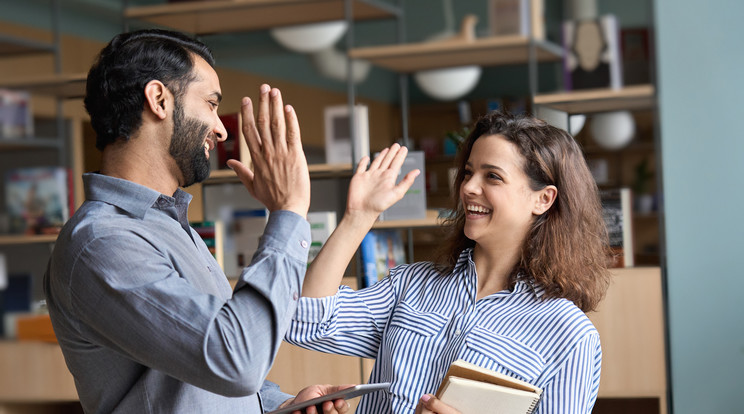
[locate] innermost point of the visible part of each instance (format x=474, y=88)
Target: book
x=591, y=57
x=212, y=233
x=380, y=251
x=38, y=199
x=413, y=203
x=322, y=224
x=369, y=261
x=338, y=137
x=470, y=388
x=16, y=120
x=617, y=211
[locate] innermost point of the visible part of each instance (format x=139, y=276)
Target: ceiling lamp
x=613, y=130
x=309, y=38
x=573, y=123
x=450, y=83
x=331, y=63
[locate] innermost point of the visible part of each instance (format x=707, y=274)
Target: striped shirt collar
x=524, y=284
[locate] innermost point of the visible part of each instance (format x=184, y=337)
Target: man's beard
x=187, y=147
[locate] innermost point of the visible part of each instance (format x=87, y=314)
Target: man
x=144, y=315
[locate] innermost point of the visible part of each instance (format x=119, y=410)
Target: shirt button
x=457, y=332
x=303, y=244
x=295, y=296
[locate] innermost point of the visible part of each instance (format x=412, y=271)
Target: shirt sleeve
x=348, y=323
x=575, y=387
x=128, y=297
x=272, y=397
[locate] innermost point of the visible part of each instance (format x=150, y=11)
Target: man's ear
x=157, y=98
x=545, y=199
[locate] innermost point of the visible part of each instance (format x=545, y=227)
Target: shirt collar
x=131, y=197
x=524, y=284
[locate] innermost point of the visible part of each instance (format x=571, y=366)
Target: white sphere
x=308, y=38
x=450, y=83
x=613, y=130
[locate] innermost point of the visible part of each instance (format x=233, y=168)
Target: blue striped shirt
x=416, y=322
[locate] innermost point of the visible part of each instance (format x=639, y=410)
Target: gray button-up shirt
x=145, y=316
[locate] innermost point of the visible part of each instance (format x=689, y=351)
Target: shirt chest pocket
x=503, y=353
x=408, y=319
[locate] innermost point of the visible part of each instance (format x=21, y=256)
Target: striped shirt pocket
x=496, y=351
x=413, y=320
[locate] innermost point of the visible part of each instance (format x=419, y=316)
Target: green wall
x=701, y=90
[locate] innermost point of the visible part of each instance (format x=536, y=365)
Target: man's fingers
x=250, y=132
x=277, y=124
x=264, y=119
x=293, y=127
x=243, y=172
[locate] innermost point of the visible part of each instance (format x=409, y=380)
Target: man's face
x=187, y=146
x=196, y=126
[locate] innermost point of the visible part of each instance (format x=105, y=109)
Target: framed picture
x=338, y=137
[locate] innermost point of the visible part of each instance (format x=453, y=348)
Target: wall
x=700, y=90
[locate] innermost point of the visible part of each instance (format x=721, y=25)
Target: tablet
x=346, y=393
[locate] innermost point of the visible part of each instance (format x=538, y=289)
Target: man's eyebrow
x=217, y=95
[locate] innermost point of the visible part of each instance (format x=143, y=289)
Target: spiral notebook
x=472, y=389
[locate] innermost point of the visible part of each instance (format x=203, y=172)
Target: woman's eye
x=492, y=176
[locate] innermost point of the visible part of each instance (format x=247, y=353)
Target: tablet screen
x=346, y=393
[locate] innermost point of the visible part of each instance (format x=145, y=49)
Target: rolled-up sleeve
x=348, y=323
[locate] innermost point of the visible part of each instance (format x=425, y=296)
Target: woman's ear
x=156, y=98
x=545, y=199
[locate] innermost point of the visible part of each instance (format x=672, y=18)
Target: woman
x=526, y=257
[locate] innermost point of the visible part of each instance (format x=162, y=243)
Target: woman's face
x=498, y=201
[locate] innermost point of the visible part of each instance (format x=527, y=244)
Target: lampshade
x=308, y=38
x=613, y=130
x=450, y=83
x=331, y=63
x=560, y=119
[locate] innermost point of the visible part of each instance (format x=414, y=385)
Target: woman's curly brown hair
x=566, y=251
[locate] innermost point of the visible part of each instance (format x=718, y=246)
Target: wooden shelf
x=19, y=144
x=66, y=86
x=486, y=51
x=432, y=220
x=13, y=239
x=223, y=16
x=600, y=100
x=16, y=46
x=316, y=171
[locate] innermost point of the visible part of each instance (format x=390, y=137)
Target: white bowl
x=308, y=38
x=450, y=83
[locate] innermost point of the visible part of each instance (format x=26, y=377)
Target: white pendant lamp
x=309, y=38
